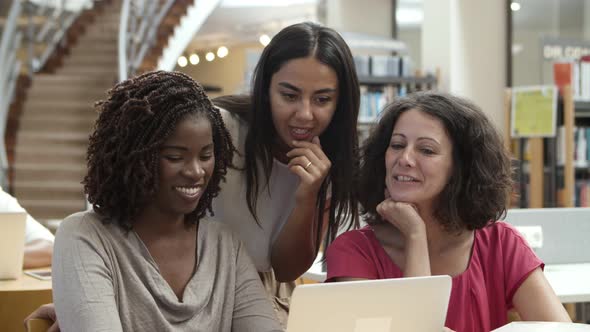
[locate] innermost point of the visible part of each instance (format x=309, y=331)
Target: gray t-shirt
x=104, y=279
x=276, y=199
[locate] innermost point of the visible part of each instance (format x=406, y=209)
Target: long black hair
x=339, y=140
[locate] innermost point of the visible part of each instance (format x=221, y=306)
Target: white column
x=465, y=39
x=368, y=16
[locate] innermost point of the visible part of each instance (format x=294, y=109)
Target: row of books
x=582, y=193
x=373, y=100
x=553, y=192
x=383, y=65
x=574, y=73
x=581, y=147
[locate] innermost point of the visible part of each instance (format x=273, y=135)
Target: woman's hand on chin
x=404, y=216
x=308, y=161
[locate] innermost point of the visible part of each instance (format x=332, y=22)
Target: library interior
x=225, y=227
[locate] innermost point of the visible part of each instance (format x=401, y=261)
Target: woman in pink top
x=447, y=181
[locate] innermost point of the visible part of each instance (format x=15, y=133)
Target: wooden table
x=18, y=298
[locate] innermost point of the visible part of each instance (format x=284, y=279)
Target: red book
x=562, y=74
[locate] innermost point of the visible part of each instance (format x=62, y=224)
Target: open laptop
x=12, y=244
x=404, y=304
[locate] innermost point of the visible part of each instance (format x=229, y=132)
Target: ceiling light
x=515, y=6
x=264, y=40
x=182, y=61
x=222, y=52
x=210, y=56
x=194, y=59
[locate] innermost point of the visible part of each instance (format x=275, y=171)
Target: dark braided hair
x=123, y=153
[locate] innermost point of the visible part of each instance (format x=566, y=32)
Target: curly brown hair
x=481, y=180
x=134, y=121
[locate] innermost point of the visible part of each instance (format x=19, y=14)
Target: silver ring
x=307, y=166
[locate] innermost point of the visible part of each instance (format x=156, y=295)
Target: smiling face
x=187, y=162
x=303, y=99
x=419, y=159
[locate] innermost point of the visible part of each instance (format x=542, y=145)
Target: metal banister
x=123, y=40
x=61, y=14
x=9, y=71
x=138, y=26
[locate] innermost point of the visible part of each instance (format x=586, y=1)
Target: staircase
x=53, y=120
x=57, y=118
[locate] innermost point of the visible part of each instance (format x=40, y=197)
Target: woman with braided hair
x=146, y=258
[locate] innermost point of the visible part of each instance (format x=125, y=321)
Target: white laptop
x=543, y=327
x=12, y=244
x=404, y=304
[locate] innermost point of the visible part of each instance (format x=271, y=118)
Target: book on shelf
x=407, y=66
x=575, y=73
x=582, y=193
x=581, y=147
x=385, y=65
x=362, y=64
x=373, y=100
x=563, y=73
x=584, y=93
x=581, y=163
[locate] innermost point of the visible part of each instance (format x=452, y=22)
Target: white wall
x=366, y=16
x=412, y=37
x=436, y=39
x=466, y=40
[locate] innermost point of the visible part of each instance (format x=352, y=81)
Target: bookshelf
x=428, y=80
x=582, y=154
x=378, y=91
x=540, y=172
x=385, y=72
x=582, y=109
x=576, y=74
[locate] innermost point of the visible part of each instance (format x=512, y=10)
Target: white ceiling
x=230, y=25
x=547, y=14
x=242, y=21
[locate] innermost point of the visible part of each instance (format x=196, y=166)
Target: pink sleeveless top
x=481, y=296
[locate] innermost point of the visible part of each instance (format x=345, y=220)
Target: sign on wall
x=560, y=48
x=534, y=111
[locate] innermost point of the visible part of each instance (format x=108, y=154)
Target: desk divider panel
x=566, y=232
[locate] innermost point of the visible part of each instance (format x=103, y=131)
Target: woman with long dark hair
x=145, y=257
x=297, y=161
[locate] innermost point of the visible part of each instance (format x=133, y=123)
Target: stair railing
x=59, y=16
x=138, y=29
x=9, y=71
